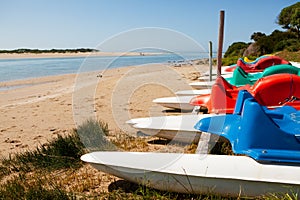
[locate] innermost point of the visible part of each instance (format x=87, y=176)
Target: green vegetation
x=27, y=175
x=236, y=49
x=42, y=173
x=289, y=18
x=275, y=43
x=294, y=56
x=62, y=153
x=38, y=51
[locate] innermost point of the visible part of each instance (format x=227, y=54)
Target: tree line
x=37, y=51
x=288, y=40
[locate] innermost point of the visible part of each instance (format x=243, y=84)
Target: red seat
x=260, y=65
x=277, y=89
x=272, y=91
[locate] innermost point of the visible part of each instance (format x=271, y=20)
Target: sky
x=118, y=25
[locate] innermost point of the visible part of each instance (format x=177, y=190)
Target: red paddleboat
x=271, y=91
x=258, y=66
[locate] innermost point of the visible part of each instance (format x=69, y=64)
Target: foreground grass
x=27, y=175
x=54, y=170
x=62, y=153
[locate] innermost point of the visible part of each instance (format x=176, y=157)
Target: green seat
x=240, y=77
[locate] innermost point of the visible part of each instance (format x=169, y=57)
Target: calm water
x=14, y=69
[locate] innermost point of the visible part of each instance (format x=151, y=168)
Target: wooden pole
x=210, y=60
x=220, y=43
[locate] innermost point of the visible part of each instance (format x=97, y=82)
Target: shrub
x=229, y=60
x=236, y=49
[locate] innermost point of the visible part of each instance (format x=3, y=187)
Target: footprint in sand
x=8, y=140
x=37, y=137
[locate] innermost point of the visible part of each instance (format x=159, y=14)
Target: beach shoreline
x=70, y=55
x=45, y=107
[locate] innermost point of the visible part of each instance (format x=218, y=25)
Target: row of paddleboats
x=260, y=120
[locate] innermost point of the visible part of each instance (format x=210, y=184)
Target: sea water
x=16, y=69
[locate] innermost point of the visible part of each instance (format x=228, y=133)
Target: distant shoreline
x=66, y=55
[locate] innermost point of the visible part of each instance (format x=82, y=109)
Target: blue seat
x=263, y=134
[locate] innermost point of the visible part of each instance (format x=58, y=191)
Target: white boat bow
x=238, y=176
x=180, y=102
x=193, y=92
x=179, y=128
x=206, y=77
x=296, y=64
x=202, y=85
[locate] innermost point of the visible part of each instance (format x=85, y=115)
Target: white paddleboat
x=178, y=128
x=202, y=85
x=296, y=64
x=180, y=102
x=206, y=77
x=193, y=92
x=237, y=176
x=214, y=71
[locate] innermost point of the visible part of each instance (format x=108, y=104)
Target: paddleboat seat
x=246, y=59
x=222, y=97
x=260, y=65
x=272, y=91
x=263, y=134
x=241, y=77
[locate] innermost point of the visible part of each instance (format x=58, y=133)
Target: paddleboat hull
x=180, y=102
x=202, y=85
x=193, y=92
x=236, y=176
x=176, y=128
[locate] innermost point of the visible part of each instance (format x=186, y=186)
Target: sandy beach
x=34, y=111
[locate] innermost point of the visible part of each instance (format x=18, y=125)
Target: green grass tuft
x=93, y=134
x=64, y=152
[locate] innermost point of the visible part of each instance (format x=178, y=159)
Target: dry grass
x=291, y=56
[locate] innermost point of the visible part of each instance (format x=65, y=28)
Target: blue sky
x=79, y=23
